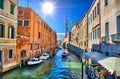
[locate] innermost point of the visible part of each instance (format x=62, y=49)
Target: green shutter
x=12, y=9
x=1, y=4
x=3, y=31
x=8, y=31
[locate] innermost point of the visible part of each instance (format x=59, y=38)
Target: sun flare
x=48, y=8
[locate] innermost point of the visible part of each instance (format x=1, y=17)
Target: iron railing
x=105, y=39
x=115, y=37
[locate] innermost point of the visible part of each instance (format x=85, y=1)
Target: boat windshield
x=34, y=59
x=44, y=55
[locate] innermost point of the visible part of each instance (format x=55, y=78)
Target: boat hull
x=34, y=63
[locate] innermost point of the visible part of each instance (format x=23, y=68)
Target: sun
x=48, y=8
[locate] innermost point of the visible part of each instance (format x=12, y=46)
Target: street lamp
x=82, y=62
x=82, y=69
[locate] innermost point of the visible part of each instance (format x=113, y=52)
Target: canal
x=53, y=68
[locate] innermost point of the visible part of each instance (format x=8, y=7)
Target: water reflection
x=54, y=68
x=65, y=68
x=29, y=72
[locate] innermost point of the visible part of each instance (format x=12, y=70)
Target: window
x=91, y=35
x=39, y=34
x=88, y=20
x=85, y=43
x=95, y=34
x=10, y=53
x=106, y=29
x=91, y=18
x=20, y=22
x=118, y=24
x=2, y=30
x=0, y=55
x=98, y=8
x=11, y=32
x=38, y=46
x=95, y=12
x=12, y=9
x=26, y=23
x=98, y=32
x=105, y=2
x=1, y=4
x=31, y=47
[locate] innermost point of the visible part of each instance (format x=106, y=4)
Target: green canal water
x=53, y=68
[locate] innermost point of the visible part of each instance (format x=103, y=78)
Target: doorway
x=0, y=57
x=23, y=54
x=0, y=61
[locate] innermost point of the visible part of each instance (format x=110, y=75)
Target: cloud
x=60, y=34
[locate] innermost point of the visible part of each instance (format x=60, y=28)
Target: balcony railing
x=115, y=38
x=105, y=39
x=7, y=40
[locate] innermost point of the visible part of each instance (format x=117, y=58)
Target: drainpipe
x=33, y=37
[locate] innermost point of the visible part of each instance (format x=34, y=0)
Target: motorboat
x=64, y=54
x=34, y=61
x=44, y=56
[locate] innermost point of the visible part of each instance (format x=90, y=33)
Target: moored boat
x=64, y=54
x=34, y=61
x=44, y=56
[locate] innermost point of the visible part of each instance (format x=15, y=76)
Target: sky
x=73, y=10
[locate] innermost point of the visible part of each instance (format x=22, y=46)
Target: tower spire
x=66, y=27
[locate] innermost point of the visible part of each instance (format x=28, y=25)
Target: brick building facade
x=34, y=36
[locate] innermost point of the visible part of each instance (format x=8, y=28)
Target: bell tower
x=66, y=27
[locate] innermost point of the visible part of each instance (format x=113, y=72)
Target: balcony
x=7, y=40
x=115, y=38
x=105, y=39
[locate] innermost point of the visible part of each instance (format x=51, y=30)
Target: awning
x=95, y=56
x=112, y=64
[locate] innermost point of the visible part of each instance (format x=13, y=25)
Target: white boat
x=34, y=61
x=44, y=56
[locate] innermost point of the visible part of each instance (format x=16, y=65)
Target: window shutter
x=8, y=32
x=3, y=31
x=1, y=4
x=12, y=9
x=118, y=24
